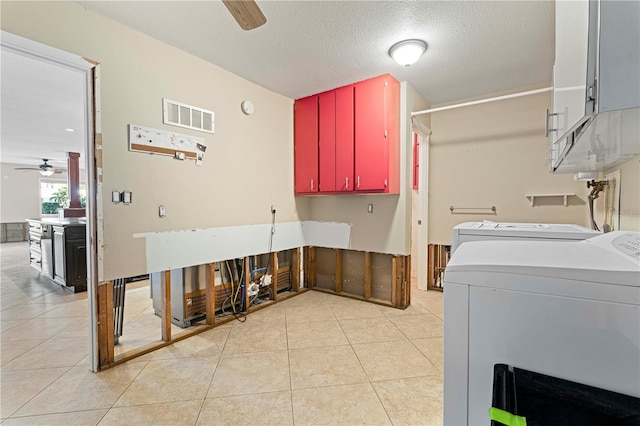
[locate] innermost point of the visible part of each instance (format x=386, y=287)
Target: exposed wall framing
x=207, y=301
x=374, y=277
x=438, y=255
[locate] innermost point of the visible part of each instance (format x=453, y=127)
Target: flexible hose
x=593, y=221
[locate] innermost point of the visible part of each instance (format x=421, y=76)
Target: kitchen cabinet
x=345, y=148
x=593, y=123
x=58, y=249
x=327, y=141
x=306, y=145
x=40, y=252
x=336, y=140
x=70, y=256
x=356, y=141
x=377, y=135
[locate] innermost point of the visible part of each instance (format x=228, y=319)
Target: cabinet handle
x=547, y=129
x=312, y=184
x=385, y=183
x=358, y=186
x=346, y=182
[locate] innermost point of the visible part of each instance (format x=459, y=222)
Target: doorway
x=420, y=203
x=85, y=72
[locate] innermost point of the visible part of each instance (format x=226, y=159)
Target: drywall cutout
x=178, y=249
x=154, y=141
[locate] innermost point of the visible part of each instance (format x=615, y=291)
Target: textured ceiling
x=474, y=48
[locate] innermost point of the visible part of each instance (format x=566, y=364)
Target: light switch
x=115, y=197
x=126, y=197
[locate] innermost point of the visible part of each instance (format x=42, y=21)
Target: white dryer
x=565, y=309
x=488, y=230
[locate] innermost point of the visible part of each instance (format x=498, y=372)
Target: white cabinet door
x=569, y=73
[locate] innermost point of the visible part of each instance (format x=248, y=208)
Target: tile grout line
x=286, y=335
x=366, y=374
x=214, y=373
x=41, y=390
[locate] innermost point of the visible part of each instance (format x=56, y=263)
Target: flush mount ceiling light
x=407, y=52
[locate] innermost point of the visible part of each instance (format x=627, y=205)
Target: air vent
x=190, y=117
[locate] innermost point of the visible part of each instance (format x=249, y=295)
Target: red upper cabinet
x=344, y=139
x=377, y=134
x=327, y=138
x=347, y=139
x=305, y=131
x=371, y=163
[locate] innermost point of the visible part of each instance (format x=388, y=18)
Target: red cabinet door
x=344, y=139
x=327, y=138
x=305, y=122
x=371, y=151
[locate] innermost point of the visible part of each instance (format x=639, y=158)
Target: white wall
x=19, y=193
x=249, y=161
x=492, y=155
x=629, y=196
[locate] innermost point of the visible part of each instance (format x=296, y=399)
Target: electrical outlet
x=273, y=209
x=370, y=208
x=162, y=211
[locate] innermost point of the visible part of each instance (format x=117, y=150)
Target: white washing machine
x=565, y=309
x=487, y=230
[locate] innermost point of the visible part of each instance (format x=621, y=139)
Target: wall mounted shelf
x=565, y=197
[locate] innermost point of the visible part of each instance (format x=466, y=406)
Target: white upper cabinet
x=593, y=124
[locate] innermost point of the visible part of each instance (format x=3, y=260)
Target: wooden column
x=394, y=281
x=105, y=324
x=338, y=271
x=310, y=268
x=367, y=275
x=165, y=309
x=431, y=265
x=274, y=275
x=73, y=171
x=211, y=294
x=295, y=270
x=406, y=296
x=247, y=279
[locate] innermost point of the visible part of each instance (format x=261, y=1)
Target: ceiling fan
x=246, y=13
x=45, y=168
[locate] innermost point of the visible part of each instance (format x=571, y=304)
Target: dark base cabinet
x=70, y=257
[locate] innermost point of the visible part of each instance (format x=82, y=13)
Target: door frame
x=421, y=219
x=90, y=69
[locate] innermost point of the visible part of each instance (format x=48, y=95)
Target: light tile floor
x=312, y=359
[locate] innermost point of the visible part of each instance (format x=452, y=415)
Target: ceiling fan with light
x=246, y=12
x=45, y=168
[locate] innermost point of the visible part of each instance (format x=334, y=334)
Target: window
x=54, y=195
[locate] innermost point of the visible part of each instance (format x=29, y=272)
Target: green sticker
x=506, y=418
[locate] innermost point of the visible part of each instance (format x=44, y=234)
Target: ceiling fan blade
x=27, y=168
x=57, y=171
x=246, y=12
